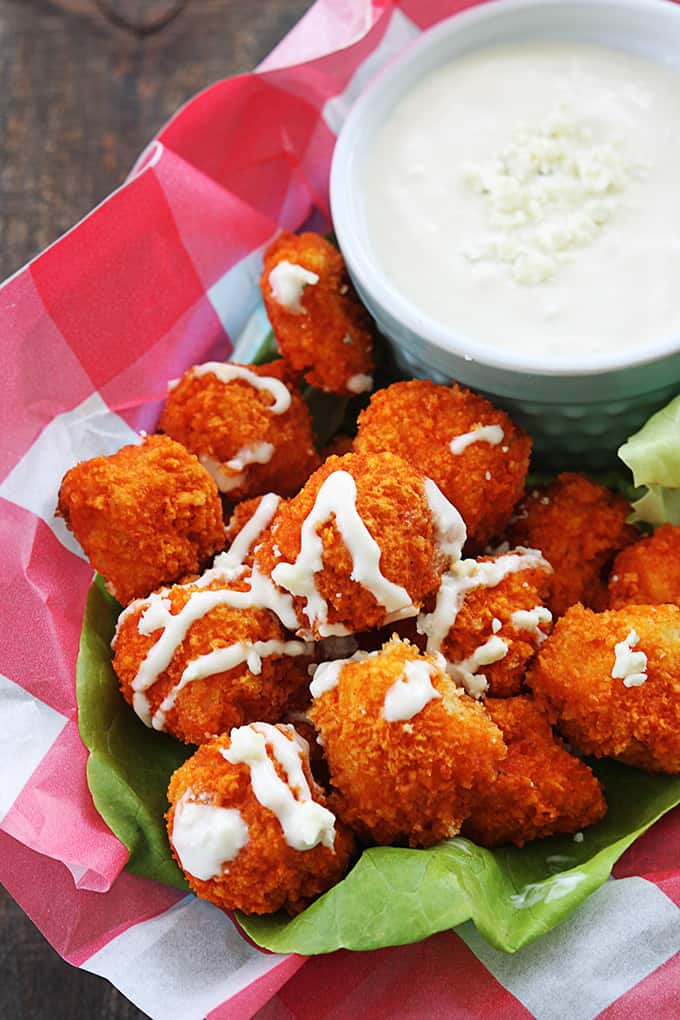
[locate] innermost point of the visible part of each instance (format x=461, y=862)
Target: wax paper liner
x=162, y=275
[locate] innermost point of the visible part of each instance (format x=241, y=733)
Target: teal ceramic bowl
x=578, y=411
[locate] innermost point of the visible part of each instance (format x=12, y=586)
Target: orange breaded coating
x=541, y=789
x=145, y=516
x=612, y=682
x=648, y=572
x=579, y=526
x=411, y=780
x=243, y=859
x=247, y=424
x=492, y=610
x=376, y=501
x=321, y=327
x=419, y=420
x=224, y=662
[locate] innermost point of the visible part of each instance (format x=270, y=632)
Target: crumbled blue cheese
x=548, y=192
x=629, y=666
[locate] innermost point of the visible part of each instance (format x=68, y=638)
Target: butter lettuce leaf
x=392, y=896
x=653, y=453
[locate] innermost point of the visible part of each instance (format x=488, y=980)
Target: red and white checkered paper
x=160, y=276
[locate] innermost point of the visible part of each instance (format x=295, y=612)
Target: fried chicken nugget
x=407, y=750
x=648, y=572
x=541, y=789
x=247, y=424
x=489, y=619
x=320, y=325
x=612, y=682
x=249, y=826
x=195, y=661
x=472, y=450
x=579, y=527
x=360, y=545
x=145, y=516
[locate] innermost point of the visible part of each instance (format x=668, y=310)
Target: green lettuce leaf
x=653, y=455
x=392, y=896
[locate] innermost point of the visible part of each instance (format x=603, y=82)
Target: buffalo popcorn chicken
x=579, y=526
x=611, y=681
x=196, y=660
x=648, y=572
x=320, y=326
x=471, y=449
x=489, y=619
x=249, y=826
x=407, y=750
x=145, y=516
x=362, y=544
x=247, y=424
x=541, y=789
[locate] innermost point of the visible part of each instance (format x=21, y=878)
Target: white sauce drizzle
x=491, y=434
x=410, y=692
x=254, y=453
x=247, y=536
x=226, y=373
x=288, y=281
x=359, y=383
x=304, y=822
x=465, y=576
x=531, y=620
x=220, y=660
x=337, y=498
x=465, y=671
x=206, y=837
x=449, y=526
x=327, y=674
x=629, y=666
x=224, y=482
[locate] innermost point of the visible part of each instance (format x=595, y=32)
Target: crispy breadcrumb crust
x=391, y=502
x=145, y=516
x=579, y=526
x=648, y=572
x=331, y=339
x=418, y=420
x=597, y=713
x=212, y=705
x=473, y=626
x=541, y=789
x=218, y=420
x=412, y=782
x=267, y=874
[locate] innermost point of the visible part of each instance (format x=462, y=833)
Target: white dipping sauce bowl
x=578, y=409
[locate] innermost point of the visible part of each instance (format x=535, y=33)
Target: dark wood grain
x=84, y=85
x=80, y=97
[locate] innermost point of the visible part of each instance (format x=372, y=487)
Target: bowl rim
x=365, y=267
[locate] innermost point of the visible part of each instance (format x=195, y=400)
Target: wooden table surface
x=84, y=85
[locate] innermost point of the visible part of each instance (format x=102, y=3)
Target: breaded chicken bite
x=320, y=326
x=247, y=424
x=489, y=619
x=648, y=572
x=612, y=682
x=145, y=516
x=361, y=545
x=472, y=450
x=407, y=750
x=579, y=527
x=541, y=789
x=249, y=826
x=196, y=660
